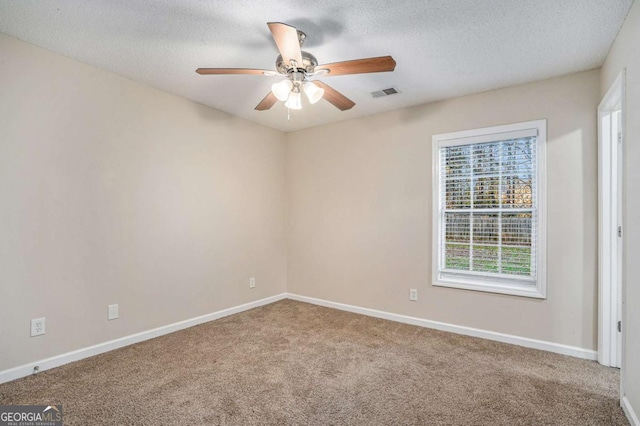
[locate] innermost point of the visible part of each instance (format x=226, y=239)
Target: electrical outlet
x=37, y=327
x=252, y=282
x=113, y=312
x=413, y=294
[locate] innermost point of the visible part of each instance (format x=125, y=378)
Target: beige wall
x=359, y=211
x=114, y=192
x=625, y=53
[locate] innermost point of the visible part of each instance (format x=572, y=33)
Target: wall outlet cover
x=37, y=327
x=113, y=312
x=413, y=295
x=252, y=282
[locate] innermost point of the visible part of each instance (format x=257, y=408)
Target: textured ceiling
x=444, y=48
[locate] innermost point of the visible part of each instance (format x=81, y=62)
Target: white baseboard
x=628, y=410
x=458, y=329
x=56, y=361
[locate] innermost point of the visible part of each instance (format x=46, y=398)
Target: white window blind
x=488, y=209
x=488, y=202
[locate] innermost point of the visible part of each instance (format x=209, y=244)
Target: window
x=489, y=209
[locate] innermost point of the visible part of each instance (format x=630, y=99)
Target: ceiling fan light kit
x=295, y=99
x=313, y=92
x=282, y=89
x=297, y=66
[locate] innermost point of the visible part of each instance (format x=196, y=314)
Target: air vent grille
x=385, y=92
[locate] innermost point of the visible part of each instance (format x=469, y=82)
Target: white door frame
x=610, y=223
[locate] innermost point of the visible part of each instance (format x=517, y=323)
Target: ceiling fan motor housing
x=309, y=63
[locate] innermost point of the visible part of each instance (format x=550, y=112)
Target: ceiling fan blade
x=334, y=97
x=267, y=102
x=286, y=38
x=214, y=71
x=359, y=66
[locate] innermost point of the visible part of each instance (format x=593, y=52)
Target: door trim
x=610, y=190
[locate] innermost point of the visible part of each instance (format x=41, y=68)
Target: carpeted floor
x=291, y=363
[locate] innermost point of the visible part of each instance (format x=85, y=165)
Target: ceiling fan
x=298, y=66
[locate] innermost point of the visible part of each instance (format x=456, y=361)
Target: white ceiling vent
x=385, y=92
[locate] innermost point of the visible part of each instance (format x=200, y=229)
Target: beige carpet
x=294, y=363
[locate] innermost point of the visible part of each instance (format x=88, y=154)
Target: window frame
x=479, y=281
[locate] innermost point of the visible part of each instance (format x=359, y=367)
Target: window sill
x=532, y=290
